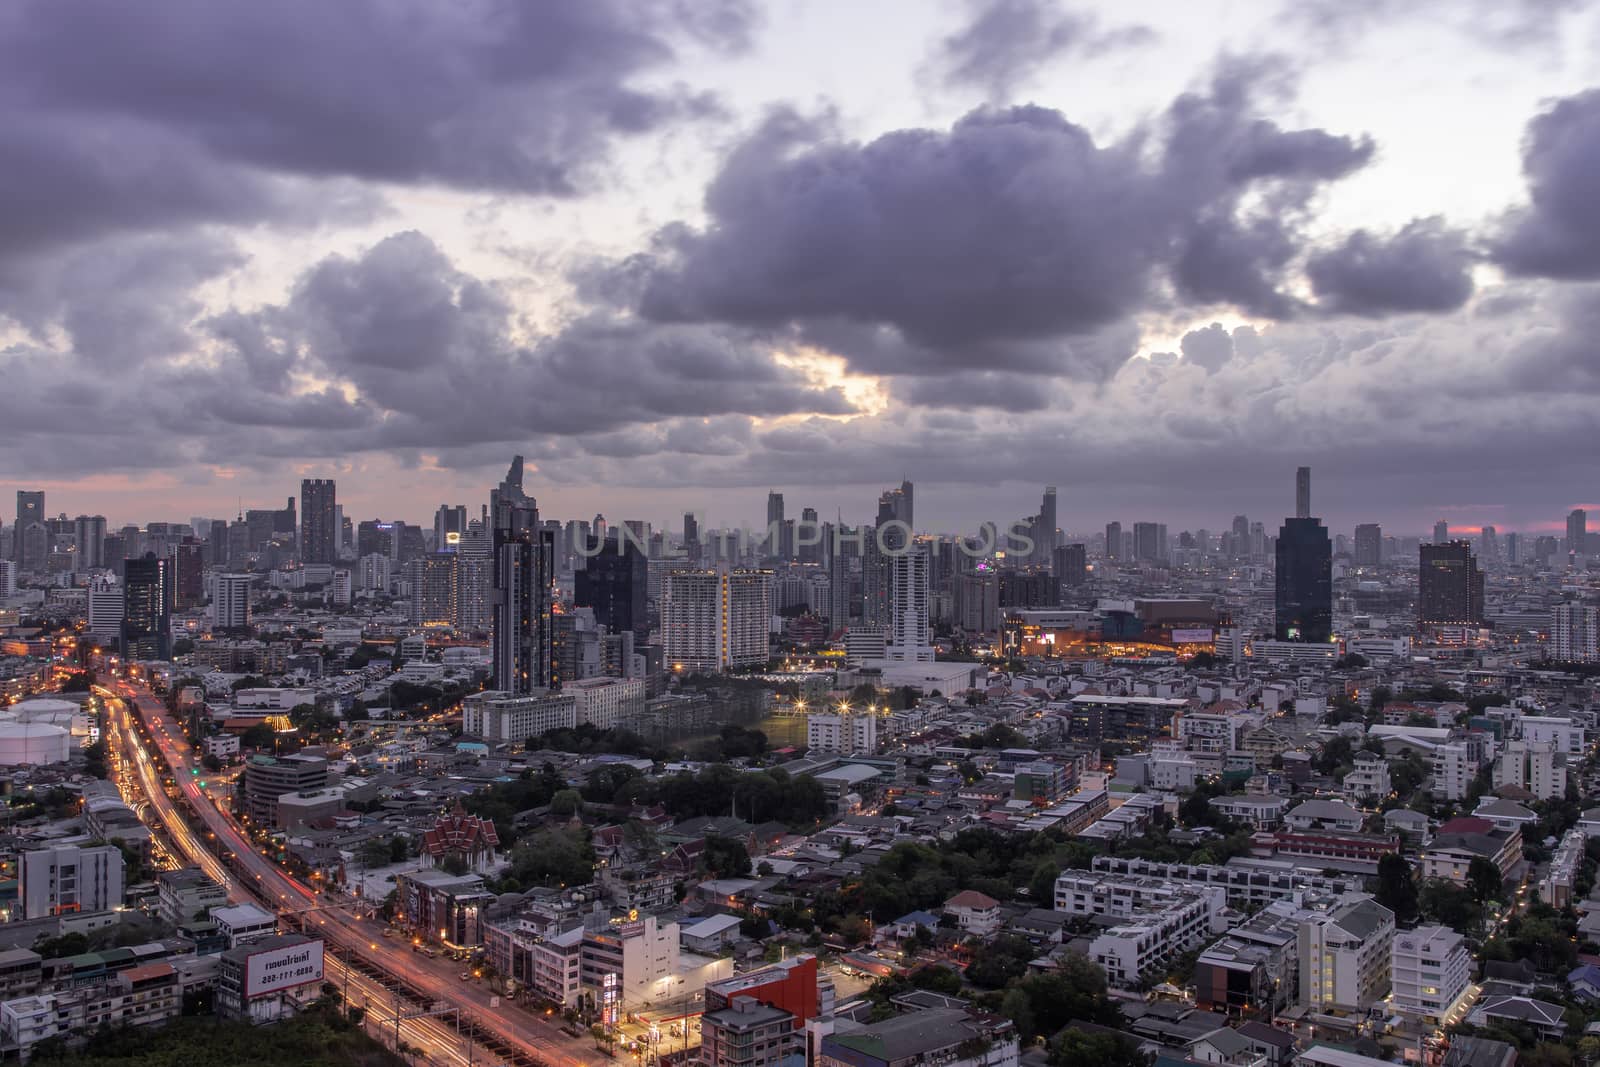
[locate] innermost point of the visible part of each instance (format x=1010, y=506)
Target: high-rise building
x=1241, y=537
x=691, y=537
x=188, y=573
x=1069, y=565
x=1512, y=548
x=910, y=636
x=319, y=529
x=1574, y=632
x=524, y=569
x=1304, y=582
x=1148, y=543
x=896, y=505
x=105, y=608
x=1441, y=532
x=449, y=527
x=30, y=509
x=1369, y=545
x=614, y=582
x=472, y=578
x=1113, y=540
x=1045, y=532
x=715, y=620
x=1449, y=585
x=432, y=580
x=230, y=602
x=372, y=572
x=808, y=537
x=1345, y=955
x=1302, y=493
x=147, y=608
x=775, y=526
x=89, y=534
x=69, y=879
x=1577, y=531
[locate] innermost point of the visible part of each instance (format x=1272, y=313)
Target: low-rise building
x=242, y=924
x=146, y=995
x=976, y=914
x=949, y=1037
x=1345, y=955
x=1431, y=971
x=186, y=893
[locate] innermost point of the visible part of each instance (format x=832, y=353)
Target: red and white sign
x=273, y=970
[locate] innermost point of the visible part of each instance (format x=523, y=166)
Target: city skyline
x=600, y=266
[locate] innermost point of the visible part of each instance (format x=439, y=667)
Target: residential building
x=244, y=924
x=105, y=609
x=1315, y=815
x=508, y=718
x=230, y=602
x=1369, y=545
x=843, y=731
x=606, y=703
x=1369, y=781
x=640, y=956
x=948, y=1037
x=185, y=894
x=66, y=879
x=1449, y=585
x=1455, y=765
x=319, y=528
x=1575, y=632
x=443, y=906
x=1155, y=920
x=976, y=914
x=1534, y=766
x=910, y=636
x=1345, y=955
x=146, y=995
x=715, y=620
x=1561, y=733
x=1451, y=852
x=1431, y=971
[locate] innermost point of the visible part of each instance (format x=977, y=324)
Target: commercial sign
x=273, y=970
x=1192, y=637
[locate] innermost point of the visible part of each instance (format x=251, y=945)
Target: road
x=517, y=1034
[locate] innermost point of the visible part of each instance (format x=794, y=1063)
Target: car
x=466, y=976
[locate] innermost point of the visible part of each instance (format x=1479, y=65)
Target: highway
x=359, y=958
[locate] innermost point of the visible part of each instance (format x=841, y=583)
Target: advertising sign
x=1192, y=637
x=275, y=969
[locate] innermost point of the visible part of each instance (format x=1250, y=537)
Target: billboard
x=273, y=970
x=1192, y=637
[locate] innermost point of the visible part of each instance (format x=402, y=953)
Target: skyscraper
x=147, y=608
x=713, y=620
x=524, y=567
x=433, y=586
x=30, y=511
x=1577, y=531
x=89, y=534
x=808, y=539
x=319, y=530
x=1574, y=632
x=1241, y=537
x=1147, y=542
x=774, y=536
x=1045, y=534
x=1441, y=532
x=449, y=527
x=1069, y=565
x=188, y=573
x=1304, y=582
x=614, y=582
x=1369, y=545
x=895, y=505
x=1113, y=540
x=1449, y=585
x=691, y=537
x=910, y=638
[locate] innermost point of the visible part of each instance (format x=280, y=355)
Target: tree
x=552, y=858
x=937, y=978
x=1074, y=1047
x=94, y=760
x=182, y=646
x=566, y=803
x=1483, y=879
x=1396, y=889
x=726, y=858
x=995, y=963
x=453, y=863
x=258, y=736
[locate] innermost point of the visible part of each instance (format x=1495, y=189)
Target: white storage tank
x=33, y=743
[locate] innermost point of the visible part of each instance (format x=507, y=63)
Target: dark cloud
x=975, y=246
x=1426, y=266
x=1209, y=348
x=980, y=389
x=114, y=117
x=1558, y=234
x=1004, y=42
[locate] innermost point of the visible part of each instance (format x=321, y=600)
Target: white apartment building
x=606, y=702
x=545, y=960
x=1369, y=779
x=1431, y=969
x=343, y=588
x=1575, y=632
x=372, y=573
x=1161, y=919
x=66, y=879
x=501, y=717
x=910, y=635
x=1455, y=765
x=643, y=954
x=243, y=924
x=846, y=732
x=230, y=601
x=1211, y=732
x=1533, y=766
x=1562, y=733
x=714, y=620
x=1345, y=955
x=106, y=605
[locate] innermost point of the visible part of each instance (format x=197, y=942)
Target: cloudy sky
x=678, y=251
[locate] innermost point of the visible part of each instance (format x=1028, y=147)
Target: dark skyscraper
x=89, y=534
x=897, y=504
x=524, y=567
x=1147, y=542
x=1113, y=540
x=808, y=537
x=1449, y=585
x=1304, y=582
x=147, y=609
x=1069, y=565
x=188, y=573
x=691, y=537
x=613, y=583
x=1369, y=545
x=1441, y=532
x=1302, y=493
x=1045, y=531
x=1577, y=530
x=319, y=530
x=774, y=534
x=30, y=509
